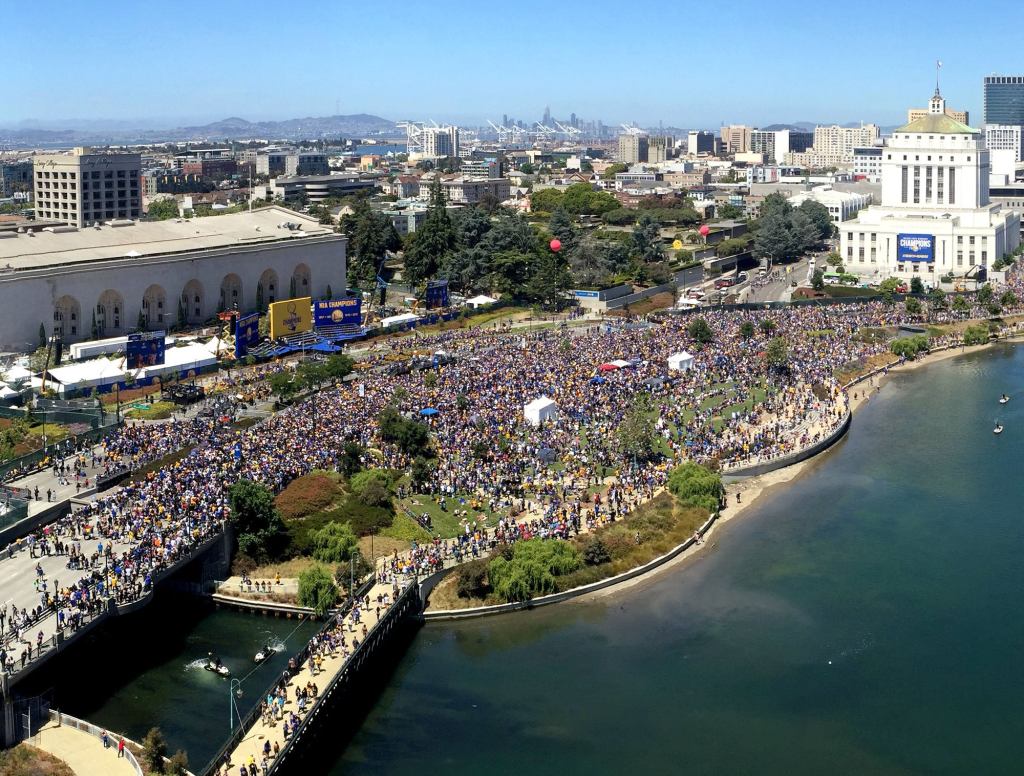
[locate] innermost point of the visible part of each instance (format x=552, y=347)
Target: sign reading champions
x=292, y=316
x=915, y=247
x=335, y=312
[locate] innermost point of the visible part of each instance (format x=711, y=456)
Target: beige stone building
x=84, y=188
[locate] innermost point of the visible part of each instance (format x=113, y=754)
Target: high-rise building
x=735, y=138
x=632, y=148
x=83, y=187
x=439, y=142
x=659, y=149
x=775, y=144
x=1005, y=137
x=701, y=142
x=935, y=217
x=14, y=175
x=1004, y=100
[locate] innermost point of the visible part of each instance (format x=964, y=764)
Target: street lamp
x=234, y=689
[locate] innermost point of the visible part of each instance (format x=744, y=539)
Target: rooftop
x=149, y=238
x=939, y=124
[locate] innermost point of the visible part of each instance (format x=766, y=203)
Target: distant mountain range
x=37, y=134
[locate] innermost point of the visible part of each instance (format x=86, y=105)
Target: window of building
x=972, y=239
x=959, y=258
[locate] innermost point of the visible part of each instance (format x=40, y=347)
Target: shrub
x=694, y=485
x=372, y=487
x=471, y=579
x=334, y=543
x=909, y=347
x=154, y=750
x=532, y=569
x=178, y=765
x=305, y=495
x=595, y=552
x=242, y=565
x=700, y=331
x=976, y=335
x=317, y=590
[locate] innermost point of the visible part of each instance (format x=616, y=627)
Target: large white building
x=935, y=216
x=842, y=205
x=82, y=188
x=833, y=146
x=80, y=282
x=1005, y=137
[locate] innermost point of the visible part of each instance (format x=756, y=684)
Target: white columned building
x=935, y=217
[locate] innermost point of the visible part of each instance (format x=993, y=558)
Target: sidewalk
x=82, y=752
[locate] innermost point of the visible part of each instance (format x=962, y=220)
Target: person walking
x=105, y=739
x=120, y=747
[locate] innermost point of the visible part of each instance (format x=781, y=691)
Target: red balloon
x=556, y=245
x=704, y=230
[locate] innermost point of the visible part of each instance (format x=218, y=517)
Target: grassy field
x=159, y=410
x=445, y=524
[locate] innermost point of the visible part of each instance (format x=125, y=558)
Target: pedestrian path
x=83, y=752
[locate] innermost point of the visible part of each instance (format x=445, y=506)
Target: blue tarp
x=324, y=347
x=597, y=380
x=428, y=411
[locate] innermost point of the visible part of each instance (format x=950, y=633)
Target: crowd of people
x=732, y=406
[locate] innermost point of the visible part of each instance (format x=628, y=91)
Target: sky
x=685, y=64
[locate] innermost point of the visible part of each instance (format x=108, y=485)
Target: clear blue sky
x=742, y=62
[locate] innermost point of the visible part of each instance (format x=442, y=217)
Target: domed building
x=935, y=217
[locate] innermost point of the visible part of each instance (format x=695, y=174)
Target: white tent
x=194, y=356
x=480, y=301
x=396, y=319
x=7, y=393
x=16, y=374
x=88, y=374
x=539, y=410
x=680, y=362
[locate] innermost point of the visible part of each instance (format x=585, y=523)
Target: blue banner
x=915, y=247
x=437, y=294
x=247, y=333
x=145, y=349
x=338, y=312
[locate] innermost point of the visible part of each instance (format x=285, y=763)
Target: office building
x=773, y=145
x=633, y=148
x=216, y=168
x=935, y=216
x=1004, y=100
x=169, y=272
x=15, y=176
x=469, y=191
x=272, y=161
x=659, y=149
x=480, y=168
x=83, y=188
x=735, y=138
x=1005, y=137
x=317, y=188
x=438, y=143
x=307, y=163
x=867, y=163
x=701, y=142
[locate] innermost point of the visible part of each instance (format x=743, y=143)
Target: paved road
x=83, y=752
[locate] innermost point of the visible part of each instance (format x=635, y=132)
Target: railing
x=66, y=720
x=299, y=658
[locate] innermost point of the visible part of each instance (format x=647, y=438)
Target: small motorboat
x=998, y=429
x=265, y=654
x=213, y=665
x=1003, y=399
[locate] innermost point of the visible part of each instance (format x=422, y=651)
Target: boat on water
x=998, y=429
x=265, y=654
x=1003, y=399
x=215, y=666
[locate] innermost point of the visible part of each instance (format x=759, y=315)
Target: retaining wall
x=783, y=461
x=554, y=598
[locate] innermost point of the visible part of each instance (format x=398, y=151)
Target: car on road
x=741, y=278
x=725, y=282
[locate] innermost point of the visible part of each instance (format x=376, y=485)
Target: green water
x=864, y=619
x=146, y=672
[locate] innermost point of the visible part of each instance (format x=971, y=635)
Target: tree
x=975, y=335
x=619, y=216
x=317, y=589
x=776, y=354
x=260, y=530
x=819, y=217
x=549, y=282
x=561, y=229
x=834, y=260
x=140, y=322
x=985, y=294
x=154, y=750
x=162, y=209
x=700, y=331
x=773, y=238
x=961, y=305
x=1008, y=299
x=531, y=568
x=282, y=384
x=731, y=246
x=178, y=764
x=350, y=460
x=614, y=169
x=410, y=436
x=912, y=305
x=647, y=243
x=433, y=241
x=804, y=233
x=423, y=470
x=42, y=336
x=937, y=299
x=471, y=224
x=694, y=485
x=889, y=285
x=334, y=543
x=767, y=326
x=775, y=205
x=526, y=168
x=916, y=285
x=730, y=212
x=372, y=487
x=637, y=433
x=818, y=280
x=746, y=330
x=546, y=200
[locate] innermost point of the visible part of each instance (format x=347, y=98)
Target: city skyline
x=580, y=64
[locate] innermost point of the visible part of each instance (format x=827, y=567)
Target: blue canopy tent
x=597, y=380
x=428, y=411
x=324, y=347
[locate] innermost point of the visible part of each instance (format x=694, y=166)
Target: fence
x=27, y=463
x=66, y=720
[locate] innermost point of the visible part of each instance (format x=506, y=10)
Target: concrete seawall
x=783, y=461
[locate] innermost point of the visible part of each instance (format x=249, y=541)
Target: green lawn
x=445, y=524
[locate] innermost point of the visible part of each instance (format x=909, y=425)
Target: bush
x=694, y=485
x=305, y=495
x=976, y=335
x=700, y=331
x=372, y=487
x=532, y=568
x=909, y=347
x=178, y=766
x=595, y=552
x=154, y=750
x=334, y=543
x=242, y=565
x=471, y=579
x=317, y=589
